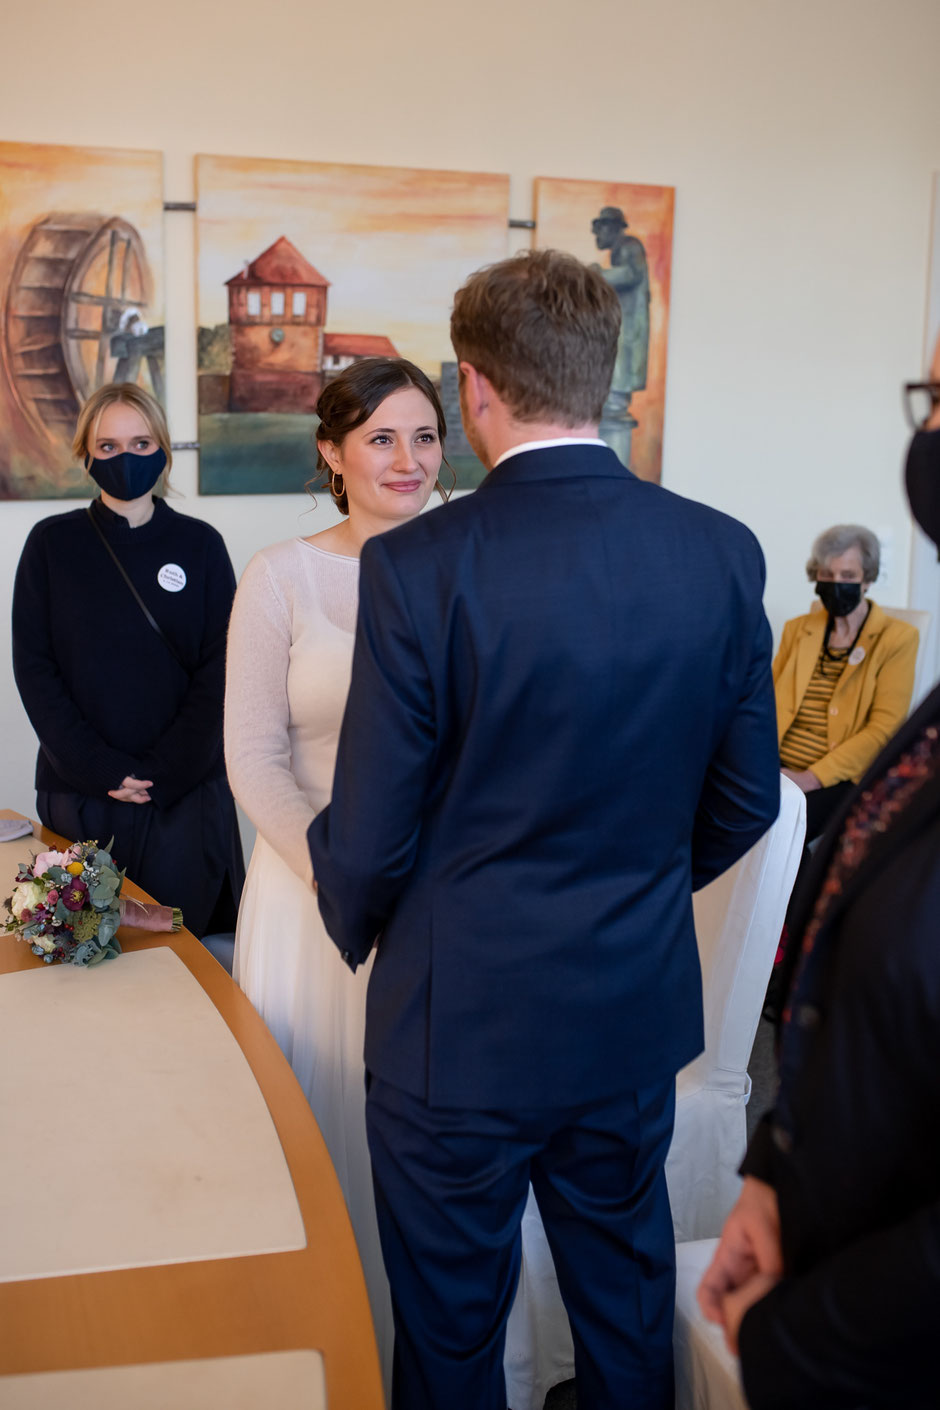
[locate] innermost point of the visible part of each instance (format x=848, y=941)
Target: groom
x=561, y=721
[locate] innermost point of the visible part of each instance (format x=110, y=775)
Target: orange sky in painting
x=394, y=242
x=38, y=181
x=564, y=210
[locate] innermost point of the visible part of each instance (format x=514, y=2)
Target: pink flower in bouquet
x=52, y=898
x=45, y=860
x=73, y=895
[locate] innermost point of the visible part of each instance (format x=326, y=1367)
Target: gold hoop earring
x=337, y=493
x=446, y=494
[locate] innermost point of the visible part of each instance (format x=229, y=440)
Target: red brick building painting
x=340, y=350
x=364, y=263
x=277, y=312
x=281, y=354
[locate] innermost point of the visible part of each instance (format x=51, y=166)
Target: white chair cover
x=539, y=1349
x=738, y=920
x=922, y=672
x=707, y=1376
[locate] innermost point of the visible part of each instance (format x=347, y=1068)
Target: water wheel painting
x=75, y=316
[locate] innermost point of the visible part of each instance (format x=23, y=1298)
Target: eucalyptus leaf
x=107, y=926
x=102, y=894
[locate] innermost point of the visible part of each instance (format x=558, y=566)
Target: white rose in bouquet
x=27, y=895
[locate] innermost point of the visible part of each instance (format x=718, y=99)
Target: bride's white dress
x=289, y=661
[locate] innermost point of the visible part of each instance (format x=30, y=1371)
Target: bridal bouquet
x=67, y=906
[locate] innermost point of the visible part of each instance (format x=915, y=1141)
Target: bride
x=380, y=443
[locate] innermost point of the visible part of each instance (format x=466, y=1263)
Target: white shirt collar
x=548, y=445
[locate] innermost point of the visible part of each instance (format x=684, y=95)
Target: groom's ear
x=476, y=389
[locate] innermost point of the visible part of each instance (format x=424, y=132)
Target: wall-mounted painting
x=627, y=231
x=81, y=299
x=305, y=267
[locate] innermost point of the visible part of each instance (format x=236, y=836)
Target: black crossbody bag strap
x=151, y=619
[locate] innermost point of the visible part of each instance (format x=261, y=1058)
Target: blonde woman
x=120, y=611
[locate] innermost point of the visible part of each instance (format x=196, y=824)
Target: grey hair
x=832, y=543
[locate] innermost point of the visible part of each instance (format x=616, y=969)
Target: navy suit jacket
x=560, y=721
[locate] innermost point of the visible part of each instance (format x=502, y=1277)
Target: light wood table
x=311, y=1298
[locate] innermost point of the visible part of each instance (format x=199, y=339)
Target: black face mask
x=128, y=476
x=839, y=599
x=922, y=478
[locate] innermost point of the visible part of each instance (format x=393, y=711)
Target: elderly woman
x=843, y=677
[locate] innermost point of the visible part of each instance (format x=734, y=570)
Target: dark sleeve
x=192, y=745
x=860, y=1329
x=758, y=1159
x=77, y=752
x=741, y=794
x=363, y=845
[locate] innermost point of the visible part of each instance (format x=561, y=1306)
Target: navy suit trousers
x=451, y=1186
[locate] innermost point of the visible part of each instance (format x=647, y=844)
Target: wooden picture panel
x=626, y=230
x=81, y=299
x=305, y=267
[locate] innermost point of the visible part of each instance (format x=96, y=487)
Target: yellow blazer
x=871, y=698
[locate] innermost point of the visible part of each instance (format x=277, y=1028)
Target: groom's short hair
x=542, y=328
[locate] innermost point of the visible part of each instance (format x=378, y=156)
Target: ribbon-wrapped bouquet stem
x=68, y=905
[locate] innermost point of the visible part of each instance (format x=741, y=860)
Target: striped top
x=807, y=739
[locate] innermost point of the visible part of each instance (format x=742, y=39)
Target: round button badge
x=857, y=656
x=171, y=577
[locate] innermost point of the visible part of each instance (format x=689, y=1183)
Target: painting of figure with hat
x=629, y=275
x=626, y=232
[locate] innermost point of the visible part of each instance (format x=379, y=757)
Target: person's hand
x=749, y=1246
x=132, y=790
x=803, y=778
x=741, y=1300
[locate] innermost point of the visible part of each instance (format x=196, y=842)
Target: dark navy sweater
x=102, y=691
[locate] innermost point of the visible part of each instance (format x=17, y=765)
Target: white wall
x=800, y=135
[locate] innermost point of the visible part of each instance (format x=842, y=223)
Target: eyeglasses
x=920, y=400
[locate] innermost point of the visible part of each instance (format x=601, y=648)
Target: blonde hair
x=130, y=394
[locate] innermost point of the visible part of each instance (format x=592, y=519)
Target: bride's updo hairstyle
x=354, y=395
